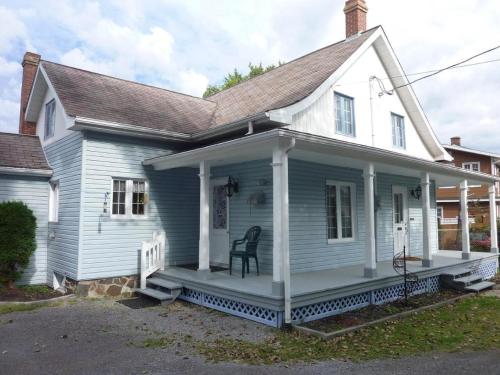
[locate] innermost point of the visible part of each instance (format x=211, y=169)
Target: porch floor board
x=307, y=283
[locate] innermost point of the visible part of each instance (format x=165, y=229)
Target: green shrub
x=17, y=240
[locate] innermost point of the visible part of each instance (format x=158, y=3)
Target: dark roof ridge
x=127, y=80
x=351, y=38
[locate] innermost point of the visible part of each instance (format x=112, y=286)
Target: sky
x=184, y=45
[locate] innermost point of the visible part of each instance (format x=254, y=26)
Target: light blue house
x=338, y=170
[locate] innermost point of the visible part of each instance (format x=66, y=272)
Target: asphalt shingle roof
x=101, y=97
x=21, y=151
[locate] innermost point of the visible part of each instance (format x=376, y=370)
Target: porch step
x=163, y=283
x=155, y=293
x=479, y=286
x=453, y=273
x=467, y=280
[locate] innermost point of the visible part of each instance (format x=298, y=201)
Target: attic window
x=398, y=131
x=344, y=115
x=50, y=118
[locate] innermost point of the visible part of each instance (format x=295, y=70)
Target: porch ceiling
x=321, y=150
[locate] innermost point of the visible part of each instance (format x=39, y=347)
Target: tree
x=17, y=240
x=236, y=77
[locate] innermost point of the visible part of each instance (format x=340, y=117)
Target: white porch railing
x=152, y=256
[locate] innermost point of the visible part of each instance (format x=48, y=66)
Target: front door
x=219, y=222
x=400, y=218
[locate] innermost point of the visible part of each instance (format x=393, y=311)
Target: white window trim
x=53, y=201
x=46, y=133
x=471, y=163
x=394, y=116
x=352, y=185
x=129, y=182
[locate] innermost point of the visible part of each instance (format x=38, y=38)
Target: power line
x=446, y=68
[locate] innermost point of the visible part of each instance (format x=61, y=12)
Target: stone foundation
x=112, y=287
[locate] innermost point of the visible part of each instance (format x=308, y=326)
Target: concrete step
x=155, y=293
x=167, y=284
x=467, y=280
x=456, y=272
x=479, y=286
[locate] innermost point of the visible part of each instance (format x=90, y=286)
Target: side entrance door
x=219, y=222
x=400, y=218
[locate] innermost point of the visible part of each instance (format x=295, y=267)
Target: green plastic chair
x=251, y=240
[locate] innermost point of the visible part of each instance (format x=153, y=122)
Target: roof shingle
x=101, y=97
x=21, y=151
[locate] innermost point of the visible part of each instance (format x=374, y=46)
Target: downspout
x=286, y=236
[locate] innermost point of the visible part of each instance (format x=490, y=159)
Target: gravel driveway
x=106, y=337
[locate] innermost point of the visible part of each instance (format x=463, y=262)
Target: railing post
x=144, y=250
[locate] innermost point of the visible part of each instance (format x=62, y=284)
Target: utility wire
x=446, y=68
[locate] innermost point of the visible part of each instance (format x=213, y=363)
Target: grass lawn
x=470, y=324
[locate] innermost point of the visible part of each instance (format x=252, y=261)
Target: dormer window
x=50, y=118
x=398, y=131
x=344, y=115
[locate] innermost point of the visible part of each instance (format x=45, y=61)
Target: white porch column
x=277, y=165
x=493, y=219
x=426, y=220
x=285, y=239
x=370, y=250
x=464, y=216
x=204, y=245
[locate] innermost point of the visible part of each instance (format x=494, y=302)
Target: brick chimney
x=455, y=141
x=30, y=66
x=355, y=17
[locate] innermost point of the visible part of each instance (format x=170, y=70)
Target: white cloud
x=192, y=83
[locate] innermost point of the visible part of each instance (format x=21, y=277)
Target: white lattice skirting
x=310, y=312
x=487, y=270
x=350, y=303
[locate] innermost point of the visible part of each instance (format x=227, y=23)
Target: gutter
x=85, y=123
x=26, y=171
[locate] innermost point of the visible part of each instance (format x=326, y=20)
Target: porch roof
x=321, y=150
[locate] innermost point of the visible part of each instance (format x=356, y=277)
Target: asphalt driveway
x=107, y=337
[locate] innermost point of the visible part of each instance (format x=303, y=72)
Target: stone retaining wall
x=112, y=287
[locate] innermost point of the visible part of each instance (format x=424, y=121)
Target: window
x=474, y=166
x=129, y=198
x=54, y=202
x=344, y=115
x=398, y=131
x=340, y=211
x=439, y=212
x=50, y=118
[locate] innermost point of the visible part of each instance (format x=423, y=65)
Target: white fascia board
x=285, y=114
x=26, y=171
x=408, y=98
x=84, y=123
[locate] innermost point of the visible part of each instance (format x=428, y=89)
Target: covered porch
x=283, y=177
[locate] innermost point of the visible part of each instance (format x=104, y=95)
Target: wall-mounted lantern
x=231, y=187
x=416, y=193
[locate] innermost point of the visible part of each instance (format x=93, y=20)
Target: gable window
x=54, y=202
x=398, y=131
x=340, y=211
x=344, y=115
x=474, y=166
x=50, y=118
x=129, y=198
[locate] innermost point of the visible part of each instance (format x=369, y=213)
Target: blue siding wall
x=34, y=192
x=253, y=177
x=110, y=247
x=385, y=239
x=309, y=248
x=64, y=157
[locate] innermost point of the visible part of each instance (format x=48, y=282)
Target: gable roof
x=472, y=151
x=96, y=96
x=22, y=152
x=286, y=84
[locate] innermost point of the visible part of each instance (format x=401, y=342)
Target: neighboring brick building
x=448, y=198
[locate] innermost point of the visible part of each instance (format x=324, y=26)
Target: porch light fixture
x=231, y=187
x=417, y=192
